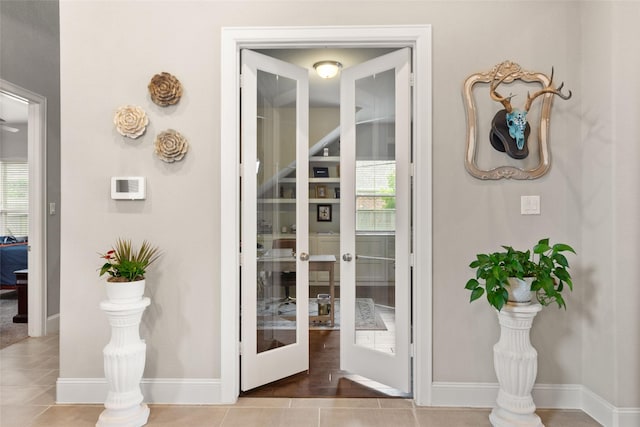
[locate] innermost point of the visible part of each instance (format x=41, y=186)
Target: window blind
x=14, y=198
x=375, y=195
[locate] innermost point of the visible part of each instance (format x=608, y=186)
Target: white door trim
x=232, y=41
x=36, y=148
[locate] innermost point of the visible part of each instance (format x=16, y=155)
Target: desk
x=316, y=263
x=22, y=286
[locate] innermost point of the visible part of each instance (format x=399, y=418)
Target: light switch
x=52, y=208
x=530, y=205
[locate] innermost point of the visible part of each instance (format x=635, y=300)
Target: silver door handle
x=347, y=257
x=304, y=256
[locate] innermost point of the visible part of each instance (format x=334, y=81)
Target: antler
x=548, y=89
x=505, y=101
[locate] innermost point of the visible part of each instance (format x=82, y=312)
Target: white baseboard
x=177, y=391
x=607, y=414
x=483, y=395
x=556, y=396
x=471, y=395
x=624, y=417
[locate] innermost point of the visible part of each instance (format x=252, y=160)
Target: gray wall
x=13, y=146
x=30, y=58
x=110, y=50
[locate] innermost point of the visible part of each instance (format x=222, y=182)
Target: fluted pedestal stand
x=124, y=359
x=516, y=365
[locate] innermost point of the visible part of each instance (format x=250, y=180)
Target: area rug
x=10, y=333
x=273, y=315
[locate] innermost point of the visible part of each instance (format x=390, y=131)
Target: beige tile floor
x=28, y=371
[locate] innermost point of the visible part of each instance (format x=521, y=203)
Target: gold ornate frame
x=514, y=72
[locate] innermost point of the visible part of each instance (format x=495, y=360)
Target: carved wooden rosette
x=171, y=146
x=513, y=72
x=165, y=89
x=131, y=121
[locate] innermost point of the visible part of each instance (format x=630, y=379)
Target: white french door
x=275, y=108
x=375, y=217
x=375, y=222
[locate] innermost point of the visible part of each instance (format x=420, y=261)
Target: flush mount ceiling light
x=6, y=127
x=327, y=69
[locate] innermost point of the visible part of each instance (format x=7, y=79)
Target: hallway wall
x=109, y=52
x=30, y=58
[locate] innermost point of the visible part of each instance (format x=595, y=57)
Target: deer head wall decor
x=510, y=127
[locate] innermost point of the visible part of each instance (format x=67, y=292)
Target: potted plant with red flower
x=126, y=267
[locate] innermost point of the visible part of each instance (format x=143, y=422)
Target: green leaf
x=472, y=284
x=547, y=285
x=477, y=293
x=561, y=247
x=536, y=285
x=570, y=283
x=541, y=247
x=561, y=259
x=561, y=274
x=560, y=301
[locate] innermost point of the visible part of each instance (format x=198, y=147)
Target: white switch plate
x=530, y=205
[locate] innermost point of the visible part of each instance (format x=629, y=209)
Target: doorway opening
x=418, y=38
x=358, y=125
x=23, y=223
x=324, y=378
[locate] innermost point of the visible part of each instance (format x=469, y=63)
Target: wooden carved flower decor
x=171, y=146
x=131, y=121
x=165, y=89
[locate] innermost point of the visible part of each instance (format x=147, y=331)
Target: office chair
x=286, y=278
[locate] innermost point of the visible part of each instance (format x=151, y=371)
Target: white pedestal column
x=516, y=365
x=124, y=359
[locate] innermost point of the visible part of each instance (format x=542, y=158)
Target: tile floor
x=28, y=371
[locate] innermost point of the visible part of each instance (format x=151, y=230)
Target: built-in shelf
x=324, y=201
x=278, y=201
x=322, y=159
x=293, y=201
x=324, y=180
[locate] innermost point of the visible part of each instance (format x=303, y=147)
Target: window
x=14, y=198
x=375, y=195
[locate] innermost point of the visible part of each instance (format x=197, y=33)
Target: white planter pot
x=125, y=292
x=519, y=290
x=124, y=356
x=516, y=365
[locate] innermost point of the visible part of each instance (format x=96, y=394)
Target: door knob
x=304, y=256
x=347, y=257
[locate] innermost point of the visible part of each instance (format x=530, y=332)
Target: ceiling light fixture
x=327, y=69
x=6, y=127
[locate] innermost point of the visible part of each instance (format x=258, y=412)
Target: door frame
x=36, y=158
x=233, y=39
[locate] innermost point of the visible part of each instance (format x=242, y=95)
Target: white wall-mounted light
x=327, y=69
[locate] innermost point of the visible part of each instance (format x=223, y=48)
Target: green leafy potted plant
x=126, y=267
x=546, y=268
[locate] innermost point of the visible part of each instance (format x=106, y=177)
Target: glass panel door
x=274, y=196
x=376, y=219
